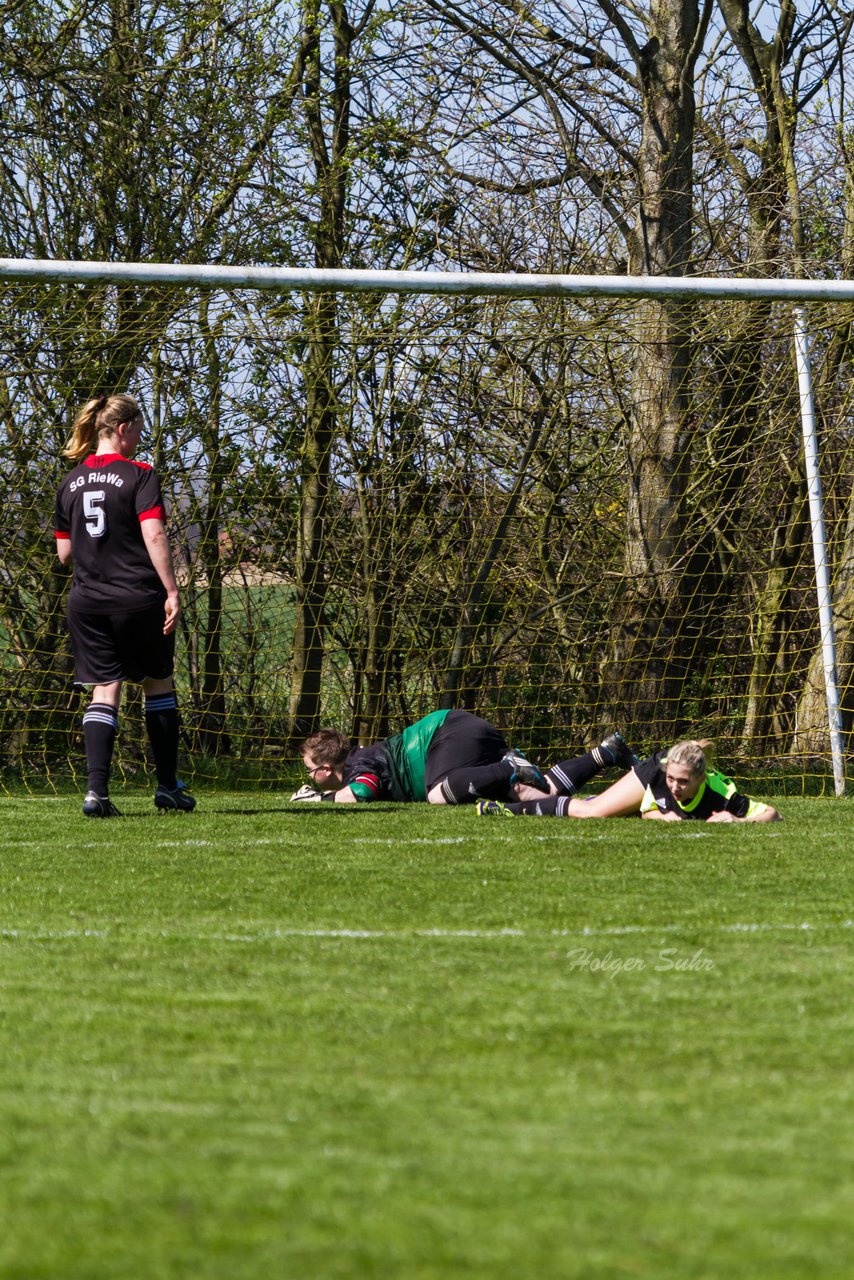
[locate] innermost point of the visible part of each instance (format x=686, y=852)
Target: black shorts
x=120, y=646
x=462, y=741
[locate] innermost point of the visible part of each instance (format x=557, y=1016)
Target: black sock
x=100, y=725
x=571, y=775
x=486, y=782
x=161, y=722
x=548, y=807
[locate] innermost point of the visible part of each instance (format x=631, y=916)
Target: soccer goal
x=568, y=503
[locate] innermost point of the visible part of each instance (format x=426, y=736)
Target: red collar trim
x=102, y=459
x=105, y=459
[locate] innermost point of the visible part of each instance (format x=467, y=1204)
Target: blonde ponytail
x=98, y=417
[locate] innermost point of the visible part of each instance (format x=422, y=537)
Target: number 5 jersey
x=100, y=506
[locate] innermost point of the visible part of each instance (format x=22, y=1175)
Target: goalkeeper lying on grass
x=448, y=757
x=669, y=786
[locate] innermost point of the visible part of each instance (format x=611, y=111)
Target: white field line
x=404, y=935
x=296, y=840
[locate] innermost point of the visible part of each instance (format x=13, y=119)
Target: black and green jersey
x=393, y=769
x=716, y=793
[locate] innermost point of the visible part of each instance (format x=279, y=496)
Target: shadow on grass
x=310, y=810
x=205, y=810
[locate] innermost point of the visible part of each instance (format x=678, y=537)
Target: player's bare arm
x=157, y=545
x=346, y=796
x=768, y=814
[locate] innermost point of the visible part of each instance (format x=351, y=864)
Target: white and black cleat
x=526, y=773
x=95, y=806
x=178, y=800
x=614, y=750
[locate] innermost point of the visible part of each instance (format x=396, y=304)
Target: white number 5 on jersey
x=93, y=510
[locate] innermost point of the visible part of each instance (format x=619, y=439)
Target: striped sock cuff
x=562, y=807
x=161, y=702
x=562, y=781
x=101, y=713
x=447, y=792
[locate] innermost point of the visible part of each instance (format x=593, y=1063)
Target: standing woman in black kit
x=123, y=606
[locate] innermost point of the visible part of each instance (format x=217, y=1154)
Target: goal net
x=570, y=514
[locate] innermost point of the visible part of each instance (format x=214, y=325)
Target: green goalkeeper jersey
x=393, y=769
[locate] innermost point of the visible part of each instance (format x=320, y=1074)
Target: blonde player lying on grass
x=669, y=786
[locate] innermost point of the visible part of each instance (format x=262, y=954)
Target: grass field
x=262, y=1041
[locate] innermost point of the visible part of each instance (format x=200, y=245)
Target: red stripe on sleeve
x=156, y=513
x=369, y=780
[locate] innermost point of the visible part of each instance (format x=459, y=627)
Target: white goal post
x=470, y=283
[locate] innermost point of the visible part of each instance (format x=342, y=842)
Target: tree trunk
x=321, y=419
x=213, y=736
x=812, y=730
x=654, y=637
